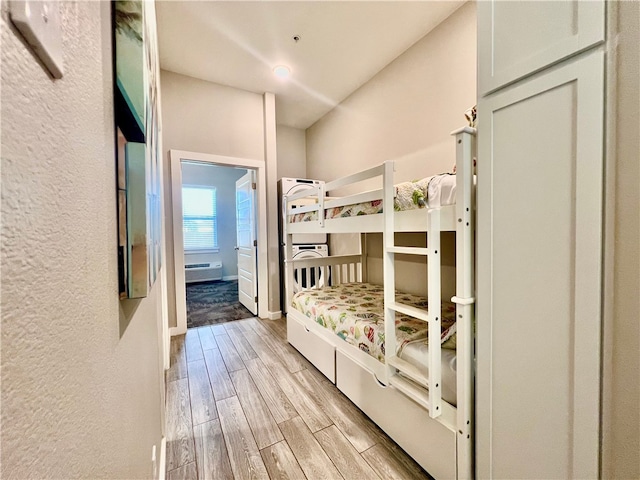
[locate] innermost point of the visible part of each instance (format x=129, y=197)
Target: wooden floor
x=242, y=403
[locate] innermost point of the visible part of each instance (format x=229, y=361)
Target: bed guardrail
x=334, y=270
x=318, y=201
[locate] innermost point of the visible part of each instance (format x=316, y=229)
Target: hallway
x=242, y=403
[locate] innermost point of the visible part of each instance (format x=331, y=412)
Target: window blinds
x=199, y=218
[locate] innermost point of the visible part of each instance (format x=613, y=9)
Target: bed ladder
x=424, y=390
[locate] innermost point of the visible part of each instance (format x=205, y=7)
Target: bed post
x=465, y=297
x=288, y=256
x=363, y=258
x=389, y=274
x=434, y=302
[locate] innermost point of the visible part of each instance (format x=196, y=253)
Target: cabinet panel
x=539, y=274
x=516, y=39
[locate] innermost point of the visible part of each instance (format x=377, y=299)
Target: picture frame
x=136, y=98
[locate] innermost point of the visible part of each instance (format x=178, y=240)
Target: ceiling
x=342, y=45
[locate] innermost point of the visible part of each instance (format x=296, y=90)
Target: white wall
x=224, y=180
x=82, y=378
x=292, y=152
x=204, y=117
x=406, y=111
x=621, y=372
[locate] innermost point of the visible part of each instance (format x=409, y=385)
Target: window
x=199, y=218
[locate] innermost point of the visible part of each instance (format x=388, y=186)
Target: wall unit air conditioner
x=202, y=272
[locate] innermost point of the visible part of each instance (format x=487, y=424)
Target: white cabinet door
x=517, y=38
x=540, y=164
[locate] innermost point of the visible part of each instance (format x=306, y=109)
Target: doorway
x=212, y=252
x=215, y=216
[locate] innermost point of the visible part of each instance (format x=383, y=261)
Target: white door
x=246, y=238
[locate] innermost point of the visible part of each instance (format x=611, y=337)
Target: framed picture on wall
x=130, y=88
x=138, y=145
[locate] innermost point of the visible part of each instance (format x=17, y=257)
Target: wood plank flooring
x=243, y=404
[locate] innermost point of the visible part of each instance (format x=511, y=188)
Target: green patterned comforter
x=354, y=311
x=408, y=196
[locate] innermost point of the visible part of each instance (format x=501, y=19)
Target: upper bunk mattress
x=431, y=192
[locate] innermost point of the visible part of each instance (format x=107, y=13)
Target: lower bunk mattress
x=355, y=313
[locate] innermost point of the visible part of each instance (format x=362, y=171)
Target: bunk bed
x=371, y=341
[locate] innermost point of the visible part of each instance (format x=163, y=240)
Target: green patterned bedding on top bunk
x=435, y=191
x=355, y=312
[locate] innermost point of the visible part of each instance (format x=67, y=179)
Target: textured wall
x=81, y=371
x=224, y=180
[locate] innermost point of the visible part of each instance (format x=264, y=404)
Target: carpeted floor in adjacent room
x=209, y=303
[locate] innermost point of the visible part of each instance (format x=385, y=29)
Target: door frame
x=175, y=158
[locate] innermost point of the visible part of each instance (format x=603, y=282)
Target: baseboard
x=230, y=277
x=162, y=468
x=173, y=331
x=274, y=315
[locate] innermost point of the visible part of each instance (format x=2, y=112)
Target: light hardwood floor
x=243, y=404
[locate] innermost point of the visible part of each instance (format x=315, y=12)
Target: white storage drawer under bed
x=315, y=348
x=428, y=441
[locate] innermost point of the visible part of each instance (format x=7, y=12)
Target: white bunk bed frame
x=438, y=435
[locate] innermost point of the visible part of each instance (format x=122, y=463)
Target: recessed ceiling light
x=282, y=71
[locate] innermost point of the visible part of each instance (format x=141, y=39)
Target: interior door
x=246, y=238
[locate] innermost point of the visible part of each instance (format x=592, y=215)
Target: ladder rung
x=418, y=313
x=409, y=250
x=409, y=370
x=411, y=390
